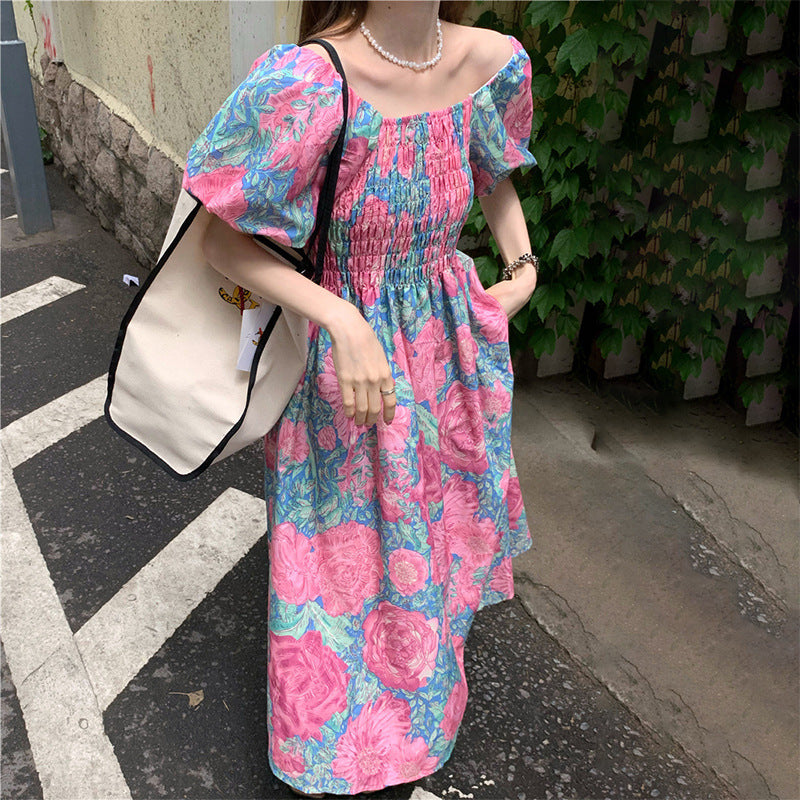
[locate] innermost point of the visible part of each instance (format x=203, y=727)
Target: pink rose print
x=401, y=646
x=394, y=498
x=495, y=327
x=350, y=567
x=293, y=572
x=365, y=752
x=432, y=350
x=496, y=400
x=403, y=348
x=431, y=469
x=327, y=438
x=307, y=683
x=460, y=506
x=515, y=503
x=466, y=592
x=450, y=283
x=394, y=437
x=519, y=112
x=474, y=540
x=440, y=552
x=503, y=578
x=293, y=441
x=352, y=178
x=461, y=430
x=457, y=702
x=368, y=288
x=288, y=757
x=467, y=349
x=408, y=570
x=412, y=760
x=329, y=391
x=376, y=213
x=477, y=543
x=291, y=116
x=220, y=190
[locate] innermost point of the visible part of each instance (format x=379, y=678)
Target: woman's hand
x=514, y=295
x=361, y=367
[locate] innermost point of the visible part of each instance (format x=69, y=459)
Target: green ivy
x=649, y=232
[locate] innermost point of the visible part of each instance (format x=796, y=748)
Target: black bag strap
x=301, y=260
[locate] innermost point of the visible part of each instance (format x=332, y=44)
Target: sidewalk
x=651, y=652
x=666, y=562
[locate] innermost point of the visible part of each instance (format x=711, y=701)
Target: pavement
x=651, y=651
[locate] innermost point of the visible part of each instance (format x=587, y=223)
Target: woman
x=393, y=502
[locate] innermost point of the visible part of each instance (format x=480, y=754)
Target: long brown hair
x=343, y=16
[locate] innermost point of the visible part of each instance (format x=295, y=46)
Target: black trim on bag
x=273, y=320
x=299, y=258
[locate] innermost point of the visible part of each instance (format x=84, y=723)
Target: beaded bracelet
x=508, y=270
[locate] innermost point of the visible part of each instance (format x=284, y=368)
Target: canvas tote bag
x=176, y=386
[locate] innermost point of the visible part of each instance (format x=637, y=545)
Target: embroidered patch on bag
x=241, y=298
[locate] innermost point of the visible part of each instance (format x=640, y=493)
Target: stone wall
x=131, y=187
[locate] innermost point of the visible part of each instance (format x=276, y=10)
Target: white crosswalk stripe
x=40, y=294
x=74, y=757
x=29, y=435
x=133, y=625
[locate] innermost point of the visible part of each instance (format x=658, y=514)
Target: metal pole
x=21, y=129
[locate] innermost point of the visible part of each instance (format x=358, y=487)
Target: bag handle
x=319, y=235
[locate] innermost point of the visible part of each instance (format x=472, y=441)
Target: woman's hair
x=343, y=16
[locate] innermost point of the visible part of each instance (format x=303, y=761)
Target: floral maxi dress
x=384, y=540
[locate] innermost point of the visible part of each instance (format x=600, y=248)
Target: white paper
x=254, y=322
x=130, y=279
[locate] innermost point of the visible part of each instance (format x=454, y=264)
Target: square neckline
x=423, y=114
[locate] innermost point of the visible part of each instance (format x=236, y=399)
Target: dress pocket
x=494, y=301
x=491, y=314
x=487, y=310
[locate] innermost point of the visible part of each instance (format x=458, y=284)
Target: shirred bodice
x=401, y=215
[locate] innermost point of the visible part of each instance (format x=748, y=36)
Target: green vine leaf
x=546, y=13
x=723, y=7
x=568, y=325
x=547, y=297
x=778, y=7
x=568, y=187
x=686, y=364
x=609, y=340
x=544, y=86
x=532, y=208
x=751, y=342
x=592, y=111
x=543, y=340
x=752, y=19
x=751, y=392
x=776, y=325
x=487, y=270
x=713, y=347
x=579, y=50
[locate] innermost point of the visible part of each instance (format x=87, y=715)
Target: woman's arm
x=358, y=357
x=503, y=212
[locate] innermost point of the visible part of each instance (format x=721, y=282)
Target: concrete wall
x=163, y=67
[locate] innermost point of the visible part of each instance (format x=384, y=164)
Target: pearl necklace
x=419, y=66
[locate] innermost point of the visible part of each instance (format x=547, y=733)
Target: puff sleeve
x=500, y=124
x=259, y=163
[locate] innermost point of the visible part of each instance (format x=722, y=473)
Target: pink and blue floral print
x=384, y=540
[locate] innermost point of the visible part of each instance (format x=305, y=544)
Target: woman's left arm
x=506, y=220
